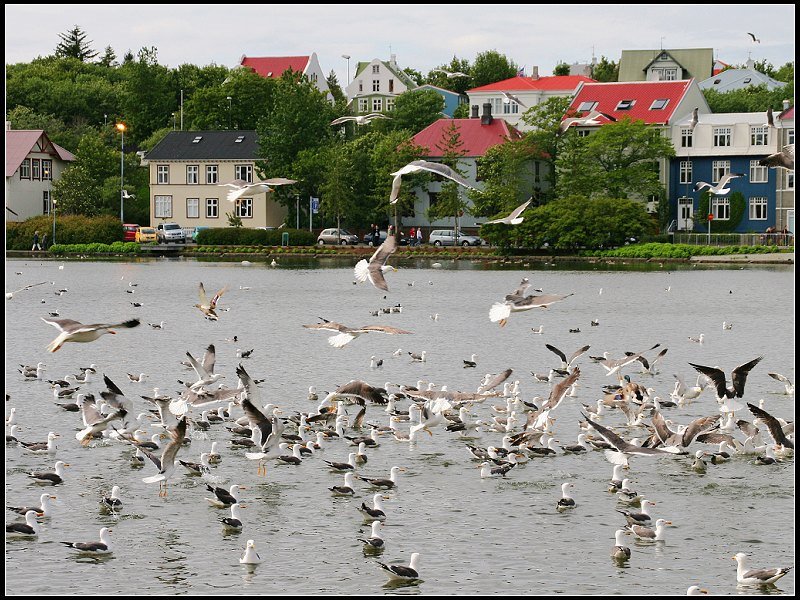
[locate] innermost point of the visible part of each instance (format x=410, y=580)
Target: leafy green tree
x=561, y=69
x=415, y=75
x=390, y=152
x=461, y=111
x=619, y=160
x=413, y=111
x=251, y=96
x=753, y=98
x=605, y=70
x=491, y=66
x=450, y=201
x=786, y=74
x=148, y=100
x=456, y=84
x=545, y=136
x=335, y=88
x=76, y=193
x=337, y=193
x=75, y=45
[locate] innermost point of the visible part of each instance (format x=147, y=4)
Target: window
x=659, y=104
x=244, y=172
x=376, y=69
x=197, y=139
x=722, y=136
x=510, y=108
x=389, y=104
x=192, y=174
x=363, y=105
x=162, y=174
x=758, y=208
x=433, y=199
x=790, y=136
x=391, y=86
x=36, y=169
x=360, y=86
x=717, y=81
x=47, y=170
x=721, y=208
x=582, y=132
x=758, y=173
x=685, y=208
x=192, y=208
x=625, y=104
x=747, y=80
x=789, y=180
x=376, y=85
x=759, y=135
x=587, y=106
x=244, y=208
x=25, y=169
x=212, y=174
x=719, y=168
x=686, y=171
x=46, y=202
x=239, y=139
x=668, y=75
x=687, y=135
x=377, y=104
x=212, y=208
x=163, y=206
x=313, y=78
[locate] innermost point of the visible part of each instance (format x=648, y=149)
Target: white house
x=274, y=66
x=376, y=84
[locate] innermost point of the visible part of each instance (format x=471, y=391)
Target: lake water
x=474, y=536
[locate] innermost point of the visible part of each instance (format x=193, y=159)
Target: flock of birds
x=267, y=433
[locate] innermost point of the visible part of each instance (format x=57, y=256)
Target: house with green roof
x=666, y=65
x=376, y=85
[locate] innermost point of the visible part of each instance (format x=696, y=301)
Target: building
x=452, y=100
x=738, y=79
x=33, y=163
x=527, y=92
x=666, y=65
x=376, y=85
x=274, y=66
x=188, y=173
x=784, y=193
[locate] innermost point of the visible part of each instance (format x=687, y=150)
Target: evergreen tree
x=561, y=69
x=74, y=44
x=109, y=58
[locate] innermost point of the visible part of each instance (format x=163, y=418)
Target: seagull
x=73, y=331
x=10, y=295
x=101, y=547
x=738, y=377
x=471, y=362
x=375, y=540
x=770, y=118
x=512, y=98
x=774, y=426
x=29, y=527
x=747, y=576
x=449, y=74
x=241, y=187
x=621, y=445
x=43, y=510
x=694, y=119
x=566, y=364
x=514, y=218
x=166, y=463
x=755, y=39
x=566, y=501
x=789, y=387
x=52, y=477
x=375, y=268
x=590, y=119
x=360, y=119
x=721, y=188
x=126, y=195
x=424, y=165
x=500, y=311
x=209, y=308
x=348, y=334
x=235, y=520
x=620, y=551
x=783, y=159
x=250, y=556
x=646, y=533
x=401, y=573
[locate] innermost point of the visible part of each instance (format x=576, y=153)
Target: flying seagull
x=424, y=165
x=738, y=377
x=209, y=308
x=500, y=311
x=783, y=159
x=73, y=331
x=590, y=119
x=376, y=266
x=348, y=334
x=360, y=119
x=449, y=74
x=242, y=187
x=511, y=97
x=127, y=195
x=770, y=118
x=166, y=463
x=755, y=39
x=10, y=295
x=721, y=188
x=514, y=218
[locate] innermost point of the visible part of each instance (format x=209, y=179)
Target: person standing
x=36, y=245
x=376, y=236
x=44, y=241
x=412, y=237
x=419, y=236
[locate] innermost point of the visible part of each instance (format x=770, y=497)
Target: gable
x=697, y=63
x=274, y=66
x=21, y=142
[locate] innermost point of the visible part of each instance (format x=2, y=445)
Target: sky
x=422, y=37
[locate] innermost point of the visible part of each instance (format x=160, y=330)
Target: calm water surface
x=474, y=536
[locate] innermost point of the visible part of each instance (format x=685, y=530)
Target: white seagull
x=423, y=165
x=73, y=331
x=721, y=188
x=375, y=268
x=514, y=218
x=512, y=98
x=167, y=463
x=745, y=576
x=449, y=74
x=783, y=159
x=241, y=187
x=360, y=119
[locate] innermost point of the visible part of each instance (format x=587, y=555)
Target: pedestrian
x=36, y=245
x=412, y=236
x=390, y=232
x=419, y=236
x=44, y=241
x=376, y=237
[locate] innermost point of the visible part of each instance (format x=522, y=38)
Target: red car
x=129, y=232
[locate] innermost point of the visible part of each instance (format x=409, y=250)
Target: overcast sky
x=421, y=36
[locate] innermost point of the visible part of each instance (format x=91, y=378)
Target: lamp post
x=174, y=122
x=230, y=112
x=347, y=58
x=121, y=127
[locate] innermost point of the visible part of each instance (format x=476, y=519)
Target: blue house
x=451, y=99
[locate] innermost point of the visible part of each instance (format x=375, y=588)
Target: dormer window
x=625, y=104
x=664, y=56
x=659, y=104
x=588, y=105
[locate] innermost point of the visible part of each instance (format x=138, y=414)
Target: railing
x=734, y=239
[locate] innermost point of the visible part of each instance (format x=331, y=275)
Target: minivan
x=129, y=232
x=447, y=237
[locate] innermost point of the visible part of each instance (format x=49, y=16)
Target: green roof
x=696, y=62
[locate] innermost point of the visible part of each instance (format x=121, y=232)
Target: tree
x=414, y=111
x=337, y=194
x=491, y=66
x=76, y=193
x=335, y=88
x=753, y=98
x=456, y=84
x=561, y=69
x=415, y=75
x=149, y=95
x=605, y=70
x=74, y=44
x=108, y=59
x=461, y=111
x=251, y=96
x=449, y=201
x=619, y=160
x=545, y=121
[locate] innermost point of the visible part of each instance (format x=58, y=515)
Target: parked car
x=336, y=236
x=447, y=237
x=129, y=232
x=370, y=242
x=145, y=235
x=170, y=232
x=196, y=231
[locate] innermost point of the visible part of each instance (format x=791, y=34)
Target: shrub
x=242, y=236
x=70, y=229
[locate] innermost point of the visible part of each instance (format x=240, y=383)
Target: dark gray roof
x=212, y=145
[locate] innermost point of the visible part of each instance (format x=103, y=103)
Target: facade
x=529, y=90
x=188, y=173
x=33, y=162
x=784, y=194
x=376, y=85
x=666, y=65
x=275, y=66
x=452, y=100
x=725, y=143
x=738, y=79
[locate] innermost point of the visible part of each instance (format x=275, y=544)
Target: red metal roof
x=477, y=138
x=521, y=84
x=644, y=93
x=274, y=66
x=788, y=114
x=20, y=142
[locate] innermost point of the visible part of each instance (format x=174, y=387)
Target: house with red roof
x=478, y=134
x=33, y=162
x=274, y=66
x=510, y=98
x=376, y=85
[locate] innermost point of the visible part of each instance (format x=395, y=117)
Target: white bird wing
x=378, y=260
x=198, y=368
x=513, y=216
x=279, y=181
x=210, y=359
x=341, y=120
x=63, y=324
x=727, y=177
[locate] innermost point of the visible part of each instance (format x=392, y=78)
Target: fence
x=734, y=239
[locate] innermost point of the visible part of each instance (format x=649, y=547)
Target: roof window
x=197, y=139
x=659, y=104
x=239, y=139
x=625, y=104
x=587, y=105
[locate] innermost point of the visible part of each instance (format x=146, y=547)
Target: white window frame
x=587, y=105
x=722, y=137
x=244, y=208
x=719, y=168
x=790, y=136
x=162, y=174
x=192, y=174
x=212, y=174
x=243, y=172
x=758, y=173
x=687, y=137
x=162, y=207
x=721, y=208
x=758, y=208
x=686, y=171
x=625, y=104
x=376, y=85
x=46, y=204
x=193, y=208
x=377, y=105
x=212, y=208
x=685, y=212
x=47, y=170
x=25, y=169
x=390, y=104
x=659, y=104
x=510, y=108
x=363, y=105
x=759, y=135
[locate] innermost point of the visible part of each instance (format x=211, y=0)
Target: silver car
x=447, y=237
x=336, y=237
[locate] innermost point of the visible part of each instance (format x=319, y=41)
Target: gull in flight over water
x=209, y=308
x=242, y=187
x=73, y=331
x=375, y=268
x=347, y=334
x=424, y=165
x=738, y=378
x=721, y=188
x=514, y=218
x=360, y=119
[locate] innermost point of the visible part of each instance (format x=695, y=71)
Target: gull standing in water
x=375, y=268
x=423, y=165
x=166, y=463
x=73, y=331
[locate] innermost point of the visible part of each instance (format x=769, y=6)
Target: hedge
x=243, y=236
x=70, y=229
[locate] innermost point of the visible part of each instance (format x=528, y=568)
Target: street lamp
x=347, y=58
x=121, y=127
x=230, y=112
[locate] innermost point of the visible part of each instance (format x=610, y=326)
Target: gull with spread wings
x=738, y=378
x=167, y=462
x=242, y=187
x=73, y=331
x=721, y=188
x=348, y=334
x=209, y=309
x=423, y=165
x=449, y=74
x=375, y=268
x=360, y=119
x=514, y=218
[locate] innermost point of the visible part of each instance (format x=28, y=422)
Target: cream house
x=376, y=85
x=188, y=173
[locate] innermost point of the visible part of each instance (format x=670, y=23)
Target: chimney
x=535, y=72
x=486, y=118
x=476, y=108
x=786, y=104
x=393, y=61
